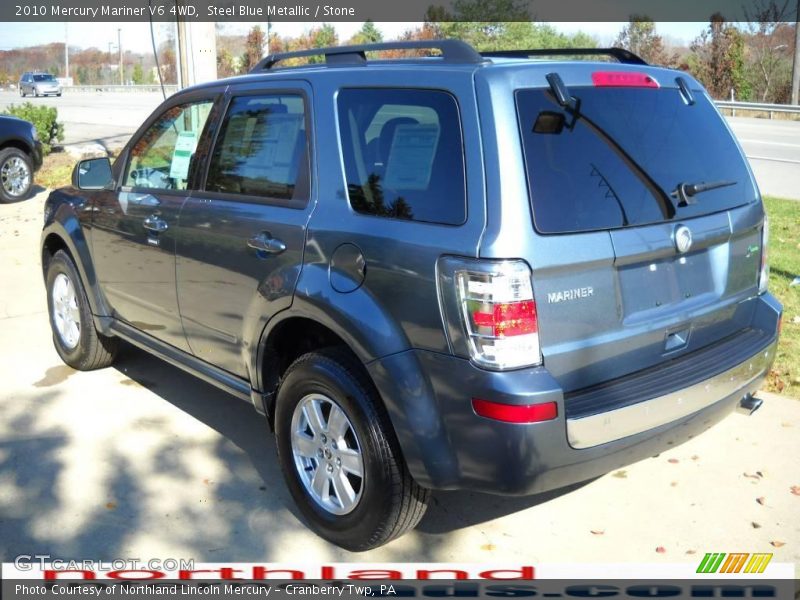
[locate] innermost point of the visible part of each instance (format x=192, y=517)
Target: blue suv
x=505, y=272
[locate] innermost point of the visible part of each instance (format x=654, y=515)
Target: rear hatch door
x=630, y=268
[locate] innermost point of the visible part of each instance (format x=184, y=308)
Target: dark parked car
x=39, y=84
x=20, y=158
x=468, y=271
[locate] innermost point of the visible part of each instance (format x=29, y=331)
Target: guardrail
x=758, y=107
x=169, y=89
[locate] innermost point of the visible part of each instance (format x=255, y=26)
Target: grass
x=784, y=260
x=56, y=170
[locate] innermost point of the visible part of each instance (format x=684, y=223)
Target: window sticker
x=410, y=160
x=182, y=156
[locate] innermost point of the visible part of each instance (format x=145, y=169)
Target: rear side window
x=403, y=154
x=262, y=149
x=619, y=162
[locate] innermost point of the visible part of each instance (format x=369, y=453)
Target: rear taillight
x=763, y=275
x=499, y=315
x=623, y=79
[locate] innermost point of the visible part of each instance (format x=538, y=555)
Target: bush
x=44, y=118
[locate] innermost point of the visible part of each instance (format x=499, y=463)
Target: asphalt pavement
x=142, y=460
x=110, y=118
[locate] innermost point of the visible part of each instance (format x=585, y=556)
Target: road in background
x=773, y=148
x=106, y=117
x=112, y=117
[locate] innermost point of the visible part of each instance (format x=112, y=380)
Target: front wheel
x=339, y=455
x=75, y=338
x=21, y=93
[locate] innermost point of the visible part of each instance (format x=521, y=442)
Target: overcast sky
x=136, y=36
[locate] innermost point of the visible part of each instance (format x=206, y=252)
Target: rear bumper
x=448, y=446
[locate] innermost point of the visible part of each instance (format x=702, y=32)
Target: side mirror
x=93, y=174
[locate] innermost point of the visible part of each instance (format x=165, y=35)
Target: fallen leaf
x=777, y=544
x=759, y=473
x=755, y=525
x=661, y=550
x=761, y=500
x=111, y=505
x=621, y=475
x=691, y=552
x=786, y=424
x=695, y=457
x=751, y=476
x=488, y=547
x=674, y=461
x=674, y=483
x=795, y=489
x=207, y=481
x=598, y=531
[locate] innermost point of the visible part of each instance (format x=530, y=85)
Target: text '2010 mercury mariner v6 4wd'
x=502, y=272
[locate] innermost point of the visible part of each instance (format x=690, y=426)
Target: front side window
x=262, y=149
x=403, y=154
x=162, y=157
x=44, y=77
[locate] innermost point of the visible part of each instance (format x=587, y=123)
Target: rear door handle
x=264, y=242
x=155, y=224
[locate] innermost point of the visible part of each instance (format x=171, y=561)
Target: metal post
x=796, y=64
x=66, y=54
x=121, y=68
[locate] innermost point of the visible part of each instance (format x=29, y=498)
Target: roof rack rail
x=453, y=51
x=622, y=55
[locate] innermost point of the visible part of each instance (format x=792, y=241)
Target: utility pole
x=66, y=54
x=121, y=69
x=796, y=64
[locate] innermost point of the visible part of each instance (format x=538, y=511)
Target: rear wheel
x=16, y=175
x=75, y=338
x=339, y=455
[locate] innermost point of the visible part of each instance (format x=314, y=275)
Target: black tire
x=35, y=92
x=21, y=93
x=390, y=501
x=6, y=156
x=92, y=350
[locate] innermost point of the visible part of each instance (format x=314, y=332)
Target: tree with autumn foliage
x=254, y=48
x=640, y=37
x=717, y=59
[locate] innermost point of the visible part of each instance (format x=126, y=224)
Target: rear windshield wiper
x=685, y=192
x=572, y=106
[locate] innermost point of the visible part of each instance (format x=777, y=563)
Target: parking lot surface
x=142, y=460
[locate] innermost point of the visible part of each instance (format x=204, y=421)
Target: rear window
x=619, y=163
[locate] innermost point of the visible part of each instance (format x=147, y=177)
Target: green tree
x=368, y=34
x=138, y=74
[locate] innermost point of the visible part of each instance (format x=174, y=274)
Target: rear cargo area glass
x=617, y=162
